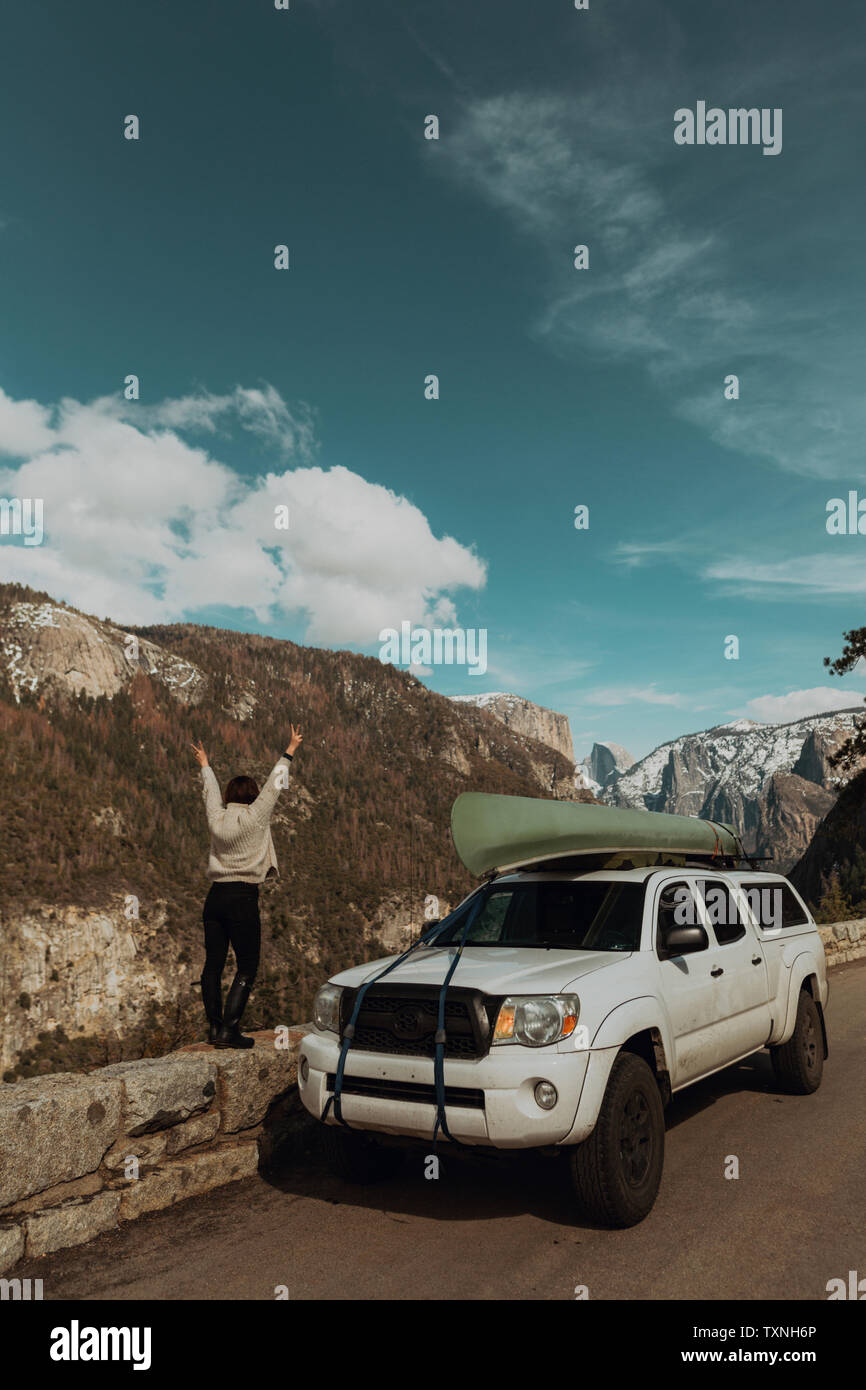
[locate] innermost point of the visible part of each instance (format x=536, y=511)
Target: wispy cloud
x=515, y=666
x=634, y=694
x=634, y=554
x=258, y=410
x=666, y=287
x=804, y=575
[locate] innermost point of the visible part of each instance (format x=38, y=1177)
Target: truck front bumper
x=488, y=1101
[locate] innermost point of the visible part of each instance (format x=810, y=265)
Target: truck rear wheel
x=799, y=1063
x=617, y=1171
x=354, y=1155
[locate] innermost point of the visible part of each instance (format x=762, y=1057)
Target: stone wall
x=844, y=941
x=81, y=1154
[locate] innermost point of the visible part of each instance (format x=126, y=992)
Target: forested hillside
x=832, y=873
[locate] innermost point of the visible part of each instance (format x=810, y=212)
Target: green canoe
x=507, y=832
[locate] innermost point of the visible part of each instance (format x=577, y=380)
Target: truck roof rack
x=637, y=859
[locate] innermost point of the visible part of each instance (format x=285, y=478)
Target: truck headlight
x=326, y=1010
x=535, y=1020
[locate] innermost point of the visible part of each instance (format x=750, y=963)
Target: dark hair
x=242, y=789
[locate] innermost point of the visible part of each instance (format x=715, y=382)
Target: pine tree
x=854, y=748
x=834, y=906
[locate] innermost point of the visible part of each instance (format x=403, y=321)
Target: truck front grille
x=401, y=1020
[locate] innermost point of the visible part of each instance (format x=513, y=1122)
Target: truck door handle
x=756, y=960
x=717, y=970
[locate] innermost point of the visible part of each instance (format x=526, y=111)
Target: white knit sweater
x=241, y=847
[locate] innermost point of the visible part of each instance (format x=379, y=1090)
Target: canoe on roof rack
x=497, y=833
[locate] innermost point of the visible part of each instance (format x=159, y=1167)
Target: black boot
x=229, y=1034
x=212, y=998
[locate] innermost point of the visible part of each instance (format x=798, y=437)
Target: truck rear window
x=588, y=916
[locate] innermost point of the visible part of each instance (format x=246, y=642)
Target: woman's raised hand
x=296, y=740
x=201, y=755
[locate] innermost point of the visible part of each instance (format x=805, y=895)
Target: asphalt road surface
x=503, y=1227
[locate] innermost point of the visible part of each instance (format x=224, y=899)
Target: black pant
x=231, y=918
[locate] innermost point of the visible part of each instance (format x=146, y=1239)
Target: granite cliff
x=525, y=718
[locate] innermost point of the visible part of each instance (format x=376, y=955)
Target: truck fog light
x=545, y=1095
x=305, y=1068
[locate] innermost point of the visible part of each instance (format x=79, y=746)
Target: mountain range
x=773, y=782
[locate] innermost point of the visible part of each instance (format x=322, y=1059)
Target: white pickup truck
x=582, y=1002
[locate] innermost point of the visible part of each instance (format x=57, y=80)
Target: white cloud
x=142, y=526
x=24, y=426
x=797, y=704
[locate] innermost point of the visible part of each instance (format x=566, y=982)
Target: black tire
x=354, y=1155
x=799, y=1063
x=617, y=1171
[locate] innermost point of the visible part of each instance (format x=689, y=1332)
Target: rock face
x=44, y=645
x=85, y=971
x=837, y=849
x=603, y=766
x=532, y=721
x=773, y=782
x=789, y=812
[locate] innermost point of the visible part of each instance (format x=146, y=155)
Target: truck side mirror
x=682, y=941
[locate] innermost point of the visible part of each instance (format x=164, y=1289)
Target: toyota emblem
x=408, y=1023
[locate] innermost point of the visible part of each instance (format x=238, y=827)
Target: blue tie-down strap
x=349, y=1031
x=439, y=1059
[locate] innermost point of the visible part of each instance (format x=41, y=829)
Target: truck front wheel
x=799, y=1063
x=617, y=1171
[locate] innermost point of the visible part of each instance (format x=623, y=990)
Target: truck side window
x=722, y=911
x=774, y=905
x=792, y=913
x=676, y=908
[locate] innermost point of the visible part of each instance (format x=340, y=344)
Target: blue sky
x=407, y=257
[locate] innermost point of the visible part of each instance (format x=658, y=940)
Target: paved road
x=502, y=1228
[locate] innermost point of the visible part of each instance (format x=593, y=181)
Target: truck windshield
x=579, y=916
